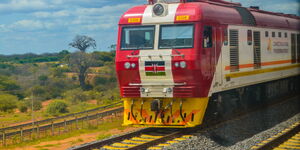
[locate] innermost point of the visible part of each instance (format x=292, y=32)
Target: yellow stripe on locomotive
x=164, y=112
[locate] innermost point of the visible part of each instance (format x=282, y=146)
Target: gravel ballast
x=247, y=131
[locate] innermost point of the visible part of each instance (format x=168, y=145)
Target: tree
x=82, y=43
x=113, y=47
x=8, y=102
x=57, y=107
x=80, y=63
x=43, y=79
x=7, y=84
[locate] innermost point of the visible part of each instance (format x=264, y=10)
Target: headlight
x=158, y=9
x=133, y=65
x=183, y=64
x=127, y=65
x=176, y=64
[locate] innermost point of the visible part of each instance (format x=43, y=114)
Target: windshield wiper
x=136, y=48
x=173, y=46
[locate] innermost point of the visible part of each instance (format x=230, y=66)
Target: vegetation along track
x=155, y=138
x=49, y=126
x=285, y=140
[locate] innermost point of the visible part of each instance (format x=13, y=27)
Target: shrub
x=57, y=107
x=37, y=104
x=22, y=107
x=8, y=102
x=76, y=95
x=100, y=80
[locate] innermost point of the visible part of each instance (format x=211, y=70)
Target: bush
x=22, y=107
x=57, y=107
x=98, y=80
x=8, y=102
x=40, y=92
x=37, y=104
x=75, y=96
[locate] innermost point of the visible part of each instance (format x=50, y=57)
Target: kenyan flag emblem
x=155, y=68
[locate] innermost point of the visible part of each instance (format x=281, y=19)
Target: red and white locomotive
x=174, y=57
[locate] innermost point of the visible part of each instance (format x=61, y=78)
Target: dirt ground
x=73, y=141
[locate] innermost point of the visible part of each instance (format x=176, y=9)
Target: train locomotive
x=179, y=60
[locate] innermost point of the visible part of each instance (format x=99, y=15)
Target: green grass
x=7, y=119
x=103, y=136
x=105, y=126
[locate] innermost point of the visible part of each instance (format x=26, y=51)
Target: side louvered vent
x=293, y=47
x=257, y=50
x=298, y=48
x=247, y=17
x=234, y=50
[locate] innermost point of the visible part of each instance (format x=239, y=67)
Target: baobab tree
x=82, y=43
x=81, y=61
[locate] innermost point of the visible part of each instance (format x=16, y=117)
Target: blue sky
x=41, y=26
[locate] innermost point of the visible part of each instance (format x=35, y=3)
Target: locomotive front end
x=158, y=67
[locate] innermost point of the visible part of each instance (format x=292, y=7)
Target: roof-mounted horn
x=151, y=2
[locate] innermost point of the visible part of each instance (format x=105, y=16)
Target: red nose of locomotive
x=158, y=66
x=158, y=73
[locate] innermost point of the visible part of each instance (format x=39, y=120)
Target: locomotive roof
x=218, y=11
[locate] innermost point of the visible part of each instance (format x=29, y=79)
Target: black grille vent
x=234, y=50
x=293, y=48
x=257, y=51
x=247, y=17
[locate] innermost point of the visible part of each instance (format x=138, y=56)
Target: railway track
x=55, y=126
x=157, y=138
x=285, y=140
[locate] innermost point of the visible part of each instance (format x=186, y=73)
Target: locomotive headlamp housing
x=170, y=90
x=158, y=9
x=127, y=65
x=176, y=64
x=133, y=65
x=183, y=64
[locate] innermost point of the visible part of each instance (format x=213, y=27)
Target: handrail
x=57, y=118
x=157, y=84
x=138, y=56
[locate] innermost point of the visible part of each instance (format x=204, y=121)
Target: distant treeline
x=100, y=58
x=33, y=58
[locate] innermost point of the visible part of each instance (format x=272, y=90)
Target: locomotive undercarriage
x=228, y=103
x=164, y=112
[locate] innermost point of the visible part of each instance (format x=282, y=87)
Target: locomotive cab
x=173, y=55
x=158, y=66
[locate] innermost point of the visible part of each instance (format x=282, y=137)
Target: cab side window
x=207, y=37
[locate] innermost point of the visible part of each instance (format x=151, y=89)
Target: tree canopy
x=82, y=43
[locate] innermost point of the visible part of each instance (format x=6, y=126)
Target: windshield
x=176, y=36
x=137, y=37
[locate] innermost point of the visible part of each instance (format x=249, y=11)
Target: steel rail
x=207, y=126
x=97, y=144
x=277, y=140
x=58, y=118
x=49, y=126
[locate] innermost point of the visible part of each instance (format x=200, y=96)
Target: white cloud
x=3, y=28
x=95, y=19
x=30, y=25
x=24, y=6
x=104, y=10
x=63, y=13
